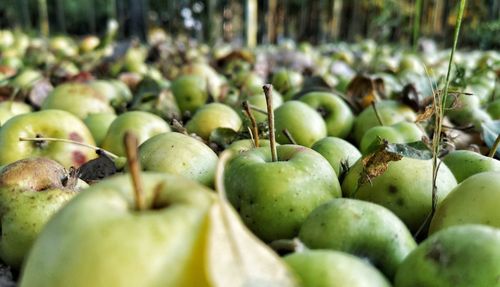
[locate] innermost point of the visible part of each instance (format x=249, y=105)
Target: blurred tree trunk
x=61, y=21
x=271, y=21
x=310, y=29
x=251, y=22
x=137, y=24
x=210, y=24
x=91, y=15
x=25, y=14
x=43, y=17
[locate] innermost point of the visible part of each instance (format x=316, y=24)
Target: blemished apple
x=337, y=114
x=31, y=191
x=180, y=154
x=474, y=201
x=459, y=256
x=328, y=268
x=361, y=228
x=77, y=98
x=405, y=188
x=175, y=241
x=465, y=163
x=46, y=123
x=274, y=198
x=143, y=124
x=305, y=124
x=212, y=116
x=338, y=152
x=402, y=132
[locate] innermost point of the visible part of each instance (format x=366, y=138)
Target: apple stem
x=257, y=109
x=131, y=142
x=255, y=128
x=270, y=118
x=289, y=136
x=379, y=119
x=494, y=147
x=178, y=127
x=287, y=246
x=42, y=139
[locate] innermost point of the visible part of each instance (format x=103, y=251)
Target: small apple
x=31, y=191
x=78, y=99
x=243, y=145
x=212, y=116
x=143, y=124
x=215, y=82
x=180, y=154
x=459, y=256
x=98, y=125
x=390, y=112
x=9, y=109
x=285, y=80
x=190, y=92
x=465, y=163
x=274, y=198
x=46, y=123
x=474, y=201
x=338, y=116
x=361, y=228
x=327, y=268
x=303, y=122
x=338, y=152
x=405, y=188
x=402, y=132
x=116, y=92
x=256, y=97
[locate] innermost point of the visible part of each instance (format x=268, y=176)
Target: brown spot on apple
x=78, y=158
x=74, y=136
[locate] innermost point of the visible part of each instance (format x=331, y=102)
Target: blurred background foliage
x=213, y=21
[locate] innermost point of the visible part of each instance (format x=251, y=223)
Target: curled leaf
x=411, y=97
x=363, y=90
x=425, y=115
x=490, y=131
x=97, y=169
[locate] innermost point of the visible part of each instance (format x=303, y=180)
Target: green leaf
x=417, y=150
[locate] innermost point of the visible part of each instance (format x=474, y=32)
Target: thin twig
x=289, y=136
x=131, y=143
x=493, y=149
x=269, y=99
x=40, y=139
x=255, y=128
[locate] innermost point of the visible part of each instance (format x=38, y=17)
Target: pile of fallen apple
x=173, y=164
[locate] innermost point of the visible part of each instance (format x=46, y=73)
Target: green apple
x=215, y=82
x=303, y=122
x=26, y=79
x=402, y=132
x=285, y=80
x=182, y=231
x=243, y=145
x=338, y=152
x=460, y=256
x=327, y=268
x=190, y=92
x=31, y=191
x=180, y=154
x=493, y=109
x=116, y=92
x=98, y=125
x=405, y=188
x=274, y=198
x=257, y=98
x=212, y=116
x=9, y=109
x=474, y=201
x=338, y=116
x=465, y=163
x=144, y=125
x=390, y=112
x=77, y=98
x=46, y=123
x=361, y=228
x=89, y=43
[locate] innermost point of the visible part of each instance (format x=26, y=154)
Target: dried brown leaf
x=425, y=115
x=362, y=90
x=377, y=163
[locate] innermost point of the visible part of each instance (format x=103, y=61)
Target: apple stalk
x=131, y=143
x=270, y=118
x=255, y=129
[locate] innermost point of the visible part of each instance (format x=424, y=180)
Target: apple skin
x=465, y=163
x=474, y=201
x=402, y=132
x=143, y=124
x=285, y=80
x=405, y=188
x=98, y=125
x=243, y=145
x=116, y=92
x=336, y=151
x=78, y=99
x=327, y=268
x=46, y=123
x=180, y=154
x=361, y=228
x=390, y=112
x=303, y=122
x=212, y=116
x=274, y=198
x=338, y=116
x=459, y=256
x=190, y=92
x=9, y=109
